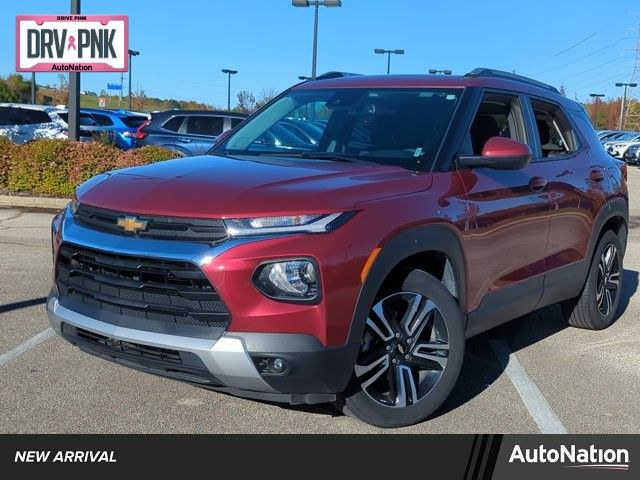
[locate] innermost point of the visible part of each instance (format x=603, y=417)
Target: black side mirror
x=499, y=153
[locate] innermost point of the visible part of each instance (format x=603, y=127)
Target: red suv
x=350, y=264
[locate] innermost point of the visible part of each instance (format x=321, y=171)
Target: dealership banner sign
x=72, y=43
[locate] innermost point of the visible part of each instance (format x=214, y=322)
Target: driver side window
x=499, y=115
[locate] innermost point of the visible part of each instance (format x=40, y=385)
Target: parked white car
x=24, y=122
x=618, y=148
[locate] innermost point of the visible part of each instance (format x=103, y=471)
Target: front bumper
x=315, y=373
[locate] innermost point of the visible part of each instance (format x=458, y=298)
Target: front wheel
x=411, y=354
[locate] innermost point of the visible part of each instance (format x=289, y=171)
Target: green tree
x=15, y=89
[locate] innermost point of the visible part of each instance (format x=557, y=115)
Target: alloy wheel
x=608, y=279
x=404, y=351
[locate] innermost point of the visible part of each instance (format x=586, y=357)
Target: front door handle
x=184, y=140
x=597, y=175
x=537, y=184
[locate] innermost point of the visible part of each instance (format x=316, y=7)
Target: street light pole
x=132, y=53
x=229, y=73
x=388, y=52
x=624, y=101
x=316, y=4
x=596, y=96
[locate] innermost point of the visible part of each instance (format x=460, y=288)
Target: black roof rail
x=492, y=73
x=328, y=75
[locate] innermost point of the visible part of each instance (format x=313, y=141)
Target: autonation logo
x=574, y=457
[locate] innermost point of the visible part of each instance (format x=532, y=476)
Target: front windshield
x=402, y=127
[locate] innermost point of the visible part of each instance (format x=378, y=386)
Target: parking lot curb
x=43, y=203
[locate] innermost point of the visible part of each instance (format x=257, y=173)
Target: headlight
x=295, y=280
x=73, y=206
x=237, y=227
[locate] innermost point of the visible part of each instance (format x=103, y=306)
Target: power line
x=576, y=44
x=617, y=59
x=582, y=58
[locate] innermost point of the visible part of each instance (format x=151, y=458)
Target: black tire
x=587, y=311
x=358, y=403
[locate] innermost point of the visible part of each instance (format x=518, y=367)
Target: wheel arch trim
x=425, y=238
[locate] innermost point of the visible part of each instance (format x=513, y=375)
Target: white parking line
x=26, y=346
x=531, y=396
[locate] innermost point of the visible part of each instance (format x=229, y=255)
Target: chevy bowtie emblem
x=131, y=224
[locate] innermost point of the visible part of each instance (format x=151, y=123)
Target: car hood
x=211, y=186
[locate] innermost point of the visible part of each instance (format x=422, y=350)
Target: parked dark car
x=120, y=126
x=187, y=132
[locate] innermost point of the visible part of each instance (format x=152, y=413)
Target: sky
x=585, y=45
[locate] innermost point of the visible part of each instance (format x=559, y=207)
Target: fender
x=438, y=237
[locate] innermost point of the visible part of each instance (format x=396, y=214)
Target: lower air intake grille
x=163, y=291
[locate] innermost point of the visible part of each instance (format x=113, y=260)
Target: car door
x=577, y=188
x=199, y=133
x=508, y=219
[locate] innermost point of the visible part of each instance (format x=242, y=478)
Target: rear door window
x=31, y=117
x=103, y=120
x=556, y=134
x=204, y=125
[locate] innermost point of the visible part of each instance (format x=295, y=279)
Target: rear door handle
x=537, y=184
x=184, y=140
x=597, y=175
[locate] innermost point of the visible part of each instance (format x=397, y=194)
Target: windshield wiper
x=318, y=156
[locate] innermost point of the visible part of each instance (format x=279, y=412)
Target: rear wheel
x=411, y=354
x=596, y=306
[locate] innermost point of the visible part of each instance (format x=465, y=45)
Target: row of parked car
x=187, y=132
x=623, y=145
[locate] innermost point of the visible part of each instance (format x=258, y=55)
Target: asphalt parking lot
x=533, y=374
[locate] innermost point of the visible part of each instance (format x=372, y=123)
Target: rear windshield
x=402, y=127
x=22, y=116
x=133, y=121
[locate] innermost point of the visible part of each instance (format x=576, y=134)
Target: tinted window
x=87, y=121
x=235, y=122
x=133, y=121
x=103, y=120
x=201, y=125
x=22, y=116
x=499, y=115
x=173, y=124
x=556, y=134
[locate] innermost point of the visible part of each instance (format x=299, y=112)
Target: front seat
x=484, y=127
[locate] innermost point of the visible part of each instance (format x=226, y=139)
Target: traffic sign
x=114, y=86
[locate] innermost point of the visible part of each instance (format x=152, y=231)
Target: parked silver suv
x=23, y=122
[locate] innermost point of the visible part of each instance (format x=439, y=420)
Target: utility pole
x=74, y=91
x=596, y=97
x=632, y=118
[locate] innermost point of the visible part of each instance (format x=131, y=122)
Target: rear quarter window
x=174, y=123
